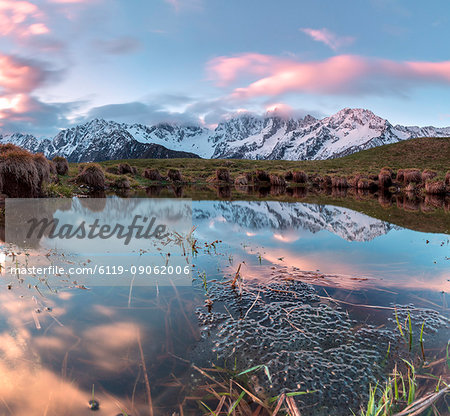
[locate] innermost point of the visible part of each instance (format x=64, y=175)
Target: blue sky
x=66, y=61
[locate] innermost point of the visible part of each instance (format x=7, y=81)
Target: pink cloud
x=226, y=69
x=21, y=19
x=342, y=74
x=328, y=38
x=280, y=109
x=18, y=76
x=18, y=79
x=69, y=1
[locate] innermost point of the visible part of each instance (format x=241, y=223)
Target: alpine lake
x=316, y=304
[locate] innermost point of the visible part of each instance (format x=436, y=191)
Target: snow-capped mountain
x=95, y=141
x=284, y=216
x=346, y=132
x=245, y=136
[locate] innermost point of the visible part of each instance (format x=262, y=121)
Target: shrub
x=92, y=175
x=152, y=175
x=299, y=177
x=428, y=174
x=61, y=164
x=261, y=176
x=435, y=187
x=447, y=178
x=223, y=175
x=276, y=180
x=174, y=175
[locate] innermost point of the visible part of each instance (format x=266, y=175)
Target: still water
x=132, y=349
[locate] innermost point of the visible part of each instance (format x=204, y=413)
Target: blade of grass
x=421, y=340
x=236, y=403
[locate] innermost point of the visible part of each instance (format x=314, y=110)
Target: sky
x=64, y=62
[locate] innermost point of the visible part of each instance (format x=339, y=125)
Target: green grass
x=430, y=153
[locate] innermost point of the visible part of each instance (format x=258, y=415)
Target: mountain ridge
x=245, y=136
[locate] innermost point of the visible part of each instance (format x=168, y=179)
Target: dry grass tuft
x=125, y=168
x=428, y=174
x=92, y=175
x=261, y=176
x=43, y=167
x=412, y=176
x=411, y=187
x=121, y=182
x=299, y=177
x=339, y=182
x=22, y=173
x=435, y=187
x=61, y=164
x=152, y=175
x=52, y=167
x=385, y=177
x=241, y=180
x=326, y=181
x=223, y=175
x=367, y=184
x=174, y=175
x=353, y=181
x=276, y=180
x=224, y=192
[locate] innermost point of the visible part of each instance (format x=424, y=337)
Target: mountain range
x=245, y=136
x=289, y=218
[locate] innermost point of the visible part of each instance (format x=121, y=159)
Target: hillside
x=422, y=153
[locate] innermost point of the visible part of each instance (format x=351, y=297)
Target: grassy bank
x=423, y=153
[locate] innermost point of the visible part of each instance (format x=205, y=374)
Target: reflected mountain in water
x=256, y=215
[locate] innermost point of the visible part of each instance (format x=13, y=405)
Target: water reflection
x=331, y=239
x=56, y=344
